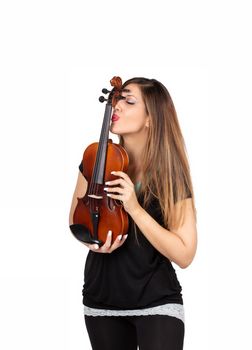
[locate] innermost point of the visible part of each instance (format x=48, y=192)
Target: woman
x=131, y=294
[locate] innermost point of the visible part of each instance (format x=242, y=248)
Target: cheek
x=139, y=121
x=133, y=123
x=138, y=124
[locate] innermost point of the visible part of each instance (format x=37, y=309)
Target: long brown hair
x=164, y=162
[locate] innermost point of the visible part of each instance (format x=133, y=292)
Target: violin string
x=103, y=142
x=101, y=150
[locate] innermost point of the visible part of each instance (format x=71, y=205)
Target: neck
x=134, y=147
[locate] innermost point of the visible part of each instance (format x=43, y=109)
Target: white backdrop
x=55, y=59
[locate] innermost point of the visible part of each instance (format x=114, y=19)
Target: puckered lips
x=115, y=117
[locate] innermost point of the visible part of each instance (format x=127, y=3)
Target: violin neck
x=100, y=161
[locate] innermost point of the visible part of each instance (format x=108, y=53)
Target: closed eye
x=129, y=100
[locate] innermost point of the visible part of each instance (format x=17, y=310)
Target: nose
x=118, y=106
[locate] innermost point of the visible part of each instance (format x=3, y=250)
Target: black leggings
x=154, y=332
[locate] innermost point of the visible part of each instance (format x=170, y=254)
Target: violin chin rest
x=82, y=234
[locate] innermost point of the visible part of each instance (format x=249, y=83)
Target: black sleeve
x=81, y=167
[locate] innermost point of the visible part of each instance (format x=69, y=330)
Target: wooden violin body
x=96, y=213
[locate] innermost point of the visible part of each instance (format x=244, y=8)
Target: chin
x=114, y=131
x=118, y=131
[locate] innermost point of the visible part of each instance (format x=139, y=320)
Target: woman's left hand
x=125, y=191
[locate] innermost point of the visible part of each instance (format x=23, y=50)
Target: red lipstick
x=115, y=117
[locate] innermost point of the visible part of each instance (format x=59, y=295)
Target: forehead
x=132, y=89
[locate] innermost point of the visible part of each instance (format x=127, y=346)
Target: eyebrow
x=125, y=90
x=129, y=92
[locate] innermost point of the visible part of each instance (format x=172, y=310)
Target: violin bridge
x=94, y=196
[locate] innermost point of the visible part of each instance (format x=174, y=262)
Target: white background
x=55, y=59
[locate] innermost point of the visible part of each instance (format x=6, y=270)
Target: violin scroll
x=115, y=93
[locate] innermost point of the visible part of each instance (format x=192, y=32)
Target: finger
x=118, y=181
x=106, y=246
x=123, y=175
x=94, y=247
x=115, y=196
x=114, y=189
x=86, y=244
x=118, y=242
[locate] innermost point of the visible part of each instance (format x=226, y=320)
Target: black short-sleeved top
x=133, y=276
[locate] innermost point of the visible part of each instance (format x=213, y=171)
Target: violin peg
x=102, y=99
x=105, y=91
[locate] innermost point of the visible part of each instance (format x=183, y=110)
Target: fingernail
x=119, y=237
x=109, y=233
x=107, y=183
x=96, y=246
x=112, y=172
x=125, y=236
x=105, y=188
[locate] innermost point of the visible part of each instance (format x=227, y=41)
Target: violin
x=96, y=213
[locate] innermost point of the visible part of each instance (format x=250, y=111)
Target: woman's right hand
x=107, y=247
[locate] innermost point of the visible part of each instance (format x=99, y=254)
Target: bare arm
x=177, y=245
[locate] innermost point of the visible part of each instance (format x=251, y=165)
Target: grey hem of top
x=175, y=310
